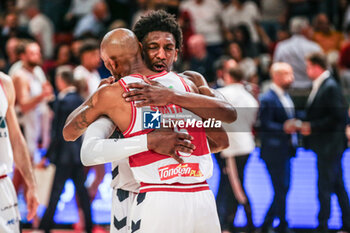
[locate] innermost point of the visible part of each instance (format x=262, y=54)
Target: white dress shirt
x=316, y=84
x=285, y=100
x=239, y=132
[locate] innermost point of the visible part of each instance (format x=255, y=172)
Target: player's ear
x=176, y=52
x=112, y=63
x=141, y=49
x=140, y=46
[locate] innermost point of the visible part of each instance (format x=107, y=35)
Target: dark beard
x=32, y=64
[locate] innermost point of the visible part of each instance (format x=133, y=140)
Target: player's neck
x=141, y=68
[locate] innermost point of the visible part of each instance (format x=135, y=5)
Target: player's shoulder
x=195, y=77
x=4, y=77
x=6, y=80
x=7, y=84
x=108, y=93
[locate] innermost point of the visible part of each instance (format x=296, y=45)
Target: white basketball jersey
x=6, y=156
x=155, y=171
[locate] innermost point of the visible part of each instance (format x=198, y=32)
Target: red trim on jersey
x=182, y=190
x=173, y=184
x=150, y=76
x=3, y=176
x=145, y=131
x=184, y=83
x=2, y=85
x=145, y=158
x=145, y=187
x=133, y=110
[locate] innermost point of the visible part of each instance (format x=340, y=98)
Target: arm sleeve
x=96, y=149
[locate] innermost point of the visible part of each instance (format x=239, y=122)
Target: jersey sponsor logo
x=3, y=133
x=184, y=170
x=151, y=119
x=2, y=123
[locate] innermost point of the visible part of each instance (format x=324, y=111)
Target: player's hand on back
x=149, y=93
x=108, y=80
x=168, y=142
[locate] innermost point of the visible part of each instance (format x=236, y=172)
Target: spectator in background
x=224, y=210
x=93, y=23
x=344, y=62
x=42, y=29
x=11, y=52
x=242, y=12
x=142, y=9
x=248, y=67
x=273, y=15
x=62, y=56
x=324, y=35
x=278, y=141
x=324, y=131
x=86, y=73
x=247, y=64
x=219, y=71
x=75, y=48
x=80, y=8
x=206, y=20
x=200, y=60
x=242, y=36
x=11, y=28
x=20, y=50
x=241, y=145
x=186, y=24
x=294, y=50
x=302, y=8
x=32, y=94
x=65, y=155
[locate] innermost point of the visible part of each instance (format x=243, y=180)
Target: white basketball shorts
x=174, y=212
x=9, y=213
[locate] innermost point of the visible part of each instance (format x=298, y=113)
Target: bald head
x=282, y=74
x=119, y=50
x=121, y=39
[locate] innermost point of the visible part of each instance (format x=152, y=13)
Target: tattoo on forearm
x=81, y=123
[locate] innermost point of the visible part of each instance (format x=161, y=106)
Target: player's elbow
x=224, y=142
x=66, y=136
x=220, y=143
x=230, y=114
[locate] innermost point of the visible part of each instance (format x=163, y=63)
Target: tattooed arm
x=95, y=106
x=74, y=127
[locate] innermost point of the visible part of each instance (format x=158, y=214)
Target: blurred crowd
x=51, y=49
x=247, y=31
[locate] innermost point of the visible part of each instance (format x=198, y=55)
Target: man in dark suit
x=324, y=131
x=278, y=140
x=65, y=155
